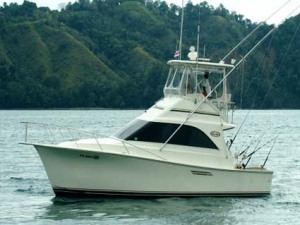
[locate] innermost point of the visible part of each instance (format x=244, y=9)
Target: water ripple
x=27, y=198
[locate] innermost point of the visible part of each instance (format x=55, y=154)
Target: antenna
x=181, y=28
x=198, y=35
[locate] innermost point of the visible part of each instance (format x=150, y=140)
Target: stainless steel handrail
x=48, y=127
x=139, y=148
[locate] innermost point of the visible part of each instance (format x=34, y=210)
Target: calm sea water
x=26, y=196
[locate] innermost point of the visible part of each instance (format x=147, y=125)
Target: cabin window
x=140, y=130
x=170, y=76
x=177, y=77
x=174, y=84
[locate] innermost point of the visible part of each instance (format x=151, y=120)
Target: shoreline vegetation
x=113, y=54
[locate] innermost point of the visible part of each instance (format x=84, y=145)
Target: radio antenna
x=181, y=28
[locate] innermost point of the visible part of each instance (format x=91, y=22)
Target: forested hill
x=113, y=54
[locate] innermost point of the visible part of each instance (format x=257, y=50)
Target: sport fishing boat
x=175, y=148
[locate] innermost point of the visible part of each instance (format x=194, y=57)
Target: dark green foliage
x=113, y=53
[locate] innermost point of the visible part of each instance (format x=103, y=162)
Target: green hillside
x=113, y=54
x=48, y=67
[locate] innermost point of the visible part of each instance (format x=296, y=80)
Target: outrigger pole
x=232, y=140
x=250, y=34
x=263, y=165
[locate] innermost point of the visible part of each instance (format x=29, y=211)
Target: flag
x=176, y=55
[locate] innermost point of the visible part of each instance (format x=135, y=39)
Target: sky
x=255, y=10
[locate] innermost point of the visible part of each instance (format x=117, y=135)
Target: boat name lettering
x=215, y=134
x=96, y=157
x=203, y=173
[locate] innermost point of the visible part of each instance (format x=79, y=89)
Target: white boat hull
x=74, y=172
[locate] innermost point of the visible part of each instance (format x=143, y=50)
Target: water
x=26, y=196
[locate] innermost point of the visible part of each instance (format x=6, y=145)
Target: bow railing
x=41, y=133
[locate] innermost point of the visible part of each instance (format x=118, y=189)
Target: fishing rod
x=250, y=34
x=269, y=152
x=214, y=89
x=248, y=147
x=252, y=153
x=232, y=140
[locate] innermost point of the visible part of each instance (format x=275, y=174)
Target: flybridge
x=187, y=77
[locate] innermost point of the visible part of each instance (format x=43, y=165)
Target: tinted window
x=160, y=132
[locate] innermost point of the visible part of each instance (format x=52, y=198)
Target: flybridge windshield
x=189, y=78
x=140, y=130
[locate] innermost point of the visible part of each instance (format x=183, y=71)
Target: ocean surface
x=26, y=196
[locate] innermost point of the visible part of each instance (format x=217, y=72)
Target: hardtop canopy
x=201, y=65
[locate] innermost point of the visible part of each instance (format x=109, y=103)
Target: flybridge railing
x=223, y=105
x=41, y=133
x=50, y=134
